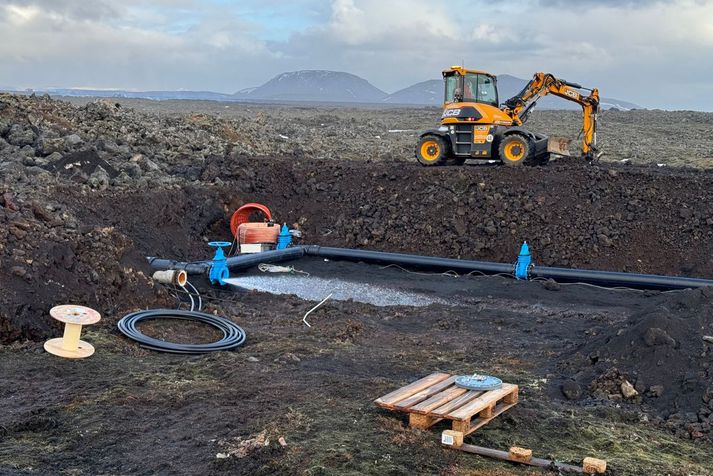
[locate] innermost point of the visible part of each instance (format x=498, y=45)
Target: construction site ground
x=159, y=181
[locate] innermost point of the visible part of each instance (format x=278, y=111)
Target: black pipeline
x=600, y=278
x=235, y=263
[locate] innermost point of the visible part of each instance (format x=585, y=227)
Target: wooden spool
x=74, y=317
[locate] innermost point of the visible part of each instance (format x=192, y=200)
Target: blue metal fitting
x=284, y=239
x=219, y=269
x=524, y=260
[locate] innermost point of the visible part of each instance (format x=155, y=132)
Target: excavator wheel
x=515, y=150
x=431, y=150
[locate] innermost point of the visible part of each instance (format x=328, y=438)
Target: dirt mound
x=657, y=358
x=47, y=264
x=91, y=250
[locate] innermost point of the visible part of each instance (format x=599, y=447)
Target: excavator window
x=452, y=89
x=471, y=87
x=488, y=90
x=480, y=88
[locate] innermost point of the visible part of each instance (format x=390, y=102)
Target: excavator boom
x=542, y=84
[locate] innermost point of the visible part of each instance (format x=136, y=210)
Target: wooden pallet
x=436, y=397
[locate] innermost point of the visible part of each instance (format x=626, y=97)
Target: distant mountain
x=329, y=86
x=245, y=91
x=120, y=93
x=426, y=92
x=431, y=93
x=315, y=86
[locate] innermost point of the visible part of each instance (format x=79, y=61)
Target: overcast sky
x=656, y=54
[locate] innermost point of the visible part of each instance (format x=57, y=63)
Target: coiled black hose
x=233, y=335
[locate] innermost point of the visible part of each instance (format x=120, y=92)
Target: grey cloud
x=105, y=45
x=586, y=3
x=89, y=10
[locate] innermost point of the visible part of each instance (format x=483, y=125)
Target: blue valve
x=284, y=239
x=524, y=260
x=219, y=269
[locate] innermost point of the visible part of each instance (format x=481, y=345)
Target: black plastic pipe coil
x=233, y=335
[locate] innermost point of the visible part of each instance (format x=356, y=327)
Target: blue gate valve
x=524, y=260
x=219, y=269
x=284, y=239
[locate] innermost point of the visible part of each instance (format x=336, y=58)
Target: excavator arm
x=542, y=84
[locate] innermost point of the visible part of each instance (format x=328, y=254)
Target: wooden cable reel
x=69, y=345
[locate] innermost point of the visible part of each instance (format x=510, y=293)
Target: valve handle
x=219, y=244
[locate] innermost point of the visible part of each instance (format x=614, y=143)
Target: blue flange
x=524, y=260
x=479, y=382
x=284, y=239
x=219, y=269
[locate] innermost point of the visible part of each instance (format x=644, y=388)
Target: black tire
x=515, y=149
x=432, y=150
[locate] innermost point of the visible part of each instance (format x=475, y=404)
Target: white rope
x=273, y=268
x=606, y=288
x=304, y=319
x=198, y=295
x=232, y=247
x=448, y=273
x=190, y=296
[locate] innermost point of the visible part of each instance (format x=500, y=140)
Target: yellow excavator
x=475, y=126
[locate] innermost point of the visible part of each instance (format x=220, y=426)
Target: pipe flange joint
x=524, y=262
x=219, y=267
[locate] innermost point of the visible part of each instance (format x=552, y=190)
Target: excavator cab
x=468, y=86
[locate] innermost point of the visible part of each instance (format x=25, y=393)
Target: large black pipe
x=613, y=279
x=274, y=256
x=417, y=261
x=197, y=267
x=600, y=278
x=235, y=263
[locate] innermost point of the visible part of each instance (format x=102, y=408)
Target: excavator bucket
x=559, y=146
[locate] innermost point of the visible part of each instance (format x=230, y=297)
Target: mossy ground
x=127, y=410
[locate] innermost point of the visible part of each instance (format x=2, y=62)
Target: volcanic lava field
x=89, y=189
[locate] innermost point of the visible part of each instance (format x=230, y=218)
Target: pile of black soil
x=656, y=358
x=70, y=247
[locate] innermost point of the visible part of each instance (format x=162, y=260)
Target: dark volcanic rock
x=572, y=390
x=655, y=336
x=85, y=162
x=20, y=135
